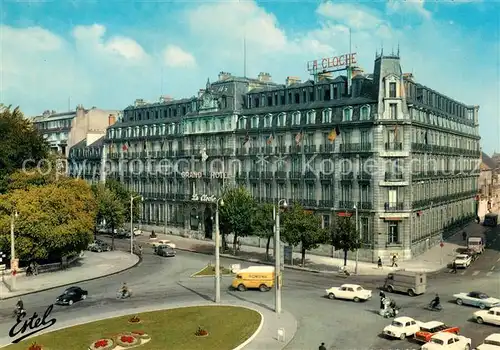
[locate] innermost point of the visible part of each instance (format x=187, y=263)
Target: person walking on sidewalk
x=379, y=262
x=322, y=347
x=464, y=235
x=394, y=261
x=454, y=267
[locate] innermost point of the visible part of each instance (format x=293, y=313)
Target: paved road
x=337, y=323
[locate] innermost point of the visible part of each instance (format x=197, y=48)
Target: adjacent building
x=489, y=187
x=404, y=155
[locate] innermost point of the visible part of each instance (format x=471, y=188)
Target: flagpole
x=349, y=72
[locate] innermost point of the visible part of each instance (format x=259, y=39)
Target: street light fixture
x=220, y=202
x=357, y=249
x=13, y=217
x=277, y=255
x=132, y=221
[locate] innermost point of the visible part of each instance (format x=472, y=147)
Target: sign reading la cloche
x=332, y=63
x=203, y=198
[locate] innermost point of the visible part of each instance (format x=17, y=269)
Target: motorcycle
x=433, y=307
x=18, y=312
x=121, y=295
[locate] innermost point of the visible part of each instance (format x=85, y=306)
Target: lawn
x=210, y=271
x=227, y=326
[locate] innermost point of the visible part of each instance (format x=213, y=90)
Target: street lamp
x=132, y=221
x=220, y=202
x=14, y=216
x=277, y=254
x=357, y=249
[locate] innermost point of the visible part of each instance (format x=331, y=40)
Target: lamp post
x=220, y=202
x=357, y=232
x=132, y=221
x=13, y=217
x=277, y=256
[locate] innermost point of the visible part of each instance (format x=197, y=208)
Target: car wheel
x=356, y=299
x=402, y=336
x=242, y=288
x=479, y=320
x=482, y=306
x=70, y=302
x=411, y=292
x=459, y=302
x=467, y=347
x=84, y=296
x=331, y=296
x=390, y=289
x=263, y=288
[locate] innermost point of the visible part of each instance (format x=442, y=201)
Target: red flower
x=138, y=332
x=35, y=346
x=101, y=343
x=127, y=339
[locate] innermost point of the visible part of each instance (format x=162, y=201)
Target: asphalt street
x=337, y=323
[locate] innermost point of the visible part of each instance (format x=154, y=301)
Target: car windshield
x=437, y=341
x=396, y=324
x=492, y=342
x=462, y=256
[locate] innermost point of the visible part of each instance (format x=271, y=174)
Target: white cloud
x=351, y=15
x=411, y=7
x=174, y=56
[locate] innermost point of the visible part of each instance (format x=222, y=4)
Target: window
x=268, y=121
x=326, y=192
x=346, y=191
x=327, y=116
x=393, y=198
x=310, y=192
x=311, y=117
x=393, y=111
x=326, y=94
x=281, y=191
x=295, y=191
x=297, y=97
x=365, y=113
x=326, y=221
x=296, y=118
x=255, y=122
x=365, y=233
x=282, y=119
x=347, y=114
x=311, y=95
x=392, y=232
x=392, y=90
x=269, y=100
x=365, y=137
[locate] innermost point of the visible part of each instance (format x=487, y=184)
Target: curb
x=68, y=284
x=255, y=334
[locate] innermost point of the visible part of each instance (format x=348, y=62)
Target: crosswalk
x=478, y=273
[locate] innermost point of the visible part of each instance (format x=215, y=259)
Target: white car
x=463, y=260
x=402, y=327
x=477, y=299
x=492, y=342
x=447, y=341
x=349, y=292
x=163, y=242
x=491, y=316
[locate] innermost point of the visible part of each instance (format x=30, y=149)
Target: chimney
x=292, y=80
x=224, y=76
x=324, y=76
x=408, y=76
x=139, y=102
x=111, y=119
x=264, y=77
x=356, y=71
x=166, y=98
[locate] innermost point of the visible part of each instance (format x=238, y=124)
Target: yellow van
x=254, y=277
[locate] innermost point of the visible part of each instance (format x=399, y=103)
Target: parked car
x=492, y=342
x=71, y=295
x=447, y=341
x=402, y=327
x=428, y=329
x=491, y=316
x=165, y=250
x=352, y=292
x=163, y=242
x=463, y=261
x=125, y=232
x=477, y=299
x=99, y=247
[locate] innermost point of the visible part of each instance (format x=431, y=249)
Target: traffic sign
x=441, y=244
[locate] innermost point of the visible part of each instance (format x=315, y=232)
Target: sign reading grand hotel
x=332, y=63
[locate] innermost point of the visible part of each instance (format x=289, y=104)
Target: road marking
x=463, y=272
x=498, y=260
x=475, y=273
x=492, y=268
x=489, y=273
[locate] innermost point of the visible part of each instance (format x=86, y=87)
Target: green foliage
x=236, y=213
x=109, y=207
x=263, y=223
x=123, y=195
x=20, y=142
x=54, y=220
x=344, y=236
x=302, y=227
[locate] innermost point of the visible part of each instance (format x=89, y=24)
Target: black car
x=165, y=250
x=71, y=295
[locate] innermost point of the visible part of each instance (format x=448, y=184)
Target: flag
x=333, y=134
x=126, y=146
x=396, y=133
x=298, y=137
x=247, y=138
x=270, y=139
x=204, y=155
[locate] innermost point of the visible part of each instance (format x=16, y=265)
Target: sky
x=57, y=54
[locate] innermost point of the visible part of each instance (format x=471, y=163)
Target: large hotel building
x=403, y=154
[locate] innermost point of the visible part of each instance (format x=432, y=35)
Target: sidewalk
x=434, y=259
x=90, y=266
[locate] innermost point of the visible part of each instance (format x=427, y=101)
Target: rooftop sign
x=331, y=64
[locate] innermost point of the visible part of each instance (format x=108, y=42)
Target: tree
x=110, y=209
x=302, y=227
x=235, y=214
x=54, y=220
x=344, y=236
x=21, y=145
x=264, y=223
x=123, y=195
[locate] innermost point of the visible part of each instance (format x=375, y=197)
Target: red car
x=427, y=330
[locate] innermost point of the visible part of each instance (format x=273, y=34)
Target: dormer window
x=311, y=117
x=268, y=121
x=365, y=112
x=255, y=122
x=242, y=123
x=392, y=89
x=347, y=114
x=282, y=119
x=136, y=131
x=296, y=118
x=327, y=116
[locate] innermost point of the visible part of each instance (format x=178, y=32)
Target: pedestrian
x=454, y=266
x=322, y=347
x=394, y=263
x=464, y=235
x=379, y=262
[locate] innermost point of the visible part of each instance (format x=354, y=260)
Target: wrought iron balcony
x=280, y=149
x=280, y=175
x=295, y=149
x=365, y=205
x=393, y=146
x=254, y=150
x=310, y=148
x=356, y=147
x=254, y=174
x=364, y=176
x=327, y=148
x=311, y=203
x=295, y=175
x=241, y=176
x=310, y=175
x=346, y=205
x=394, y=206
x=268, y=175
x=326, y=176
x=268, y=149
x=393, y=176
x=347, y=177
x=326, y=203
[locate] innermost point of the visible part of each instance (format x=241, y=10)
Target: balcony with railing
x=280, y=149
x=356, y=147
x=310, y=149
x=280, y=175
x=394, y=206
x=393, y=176
x=347, y=176
x=349, y=205
x=365, y=206
x=295, y=175
x=393, y=146
x=326, y=203
x=254, y=174
x=327, y=148
x=309, y=203
x=364, y=176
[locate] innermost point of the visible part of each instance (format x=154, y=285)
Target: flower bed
x=127, y=340
x=35, y=346
x=201, y=332
x=134, y=319
x=102, y=344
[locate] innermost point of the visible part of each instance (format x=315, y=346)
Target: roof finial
x=398, y=48
x=208, y=84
